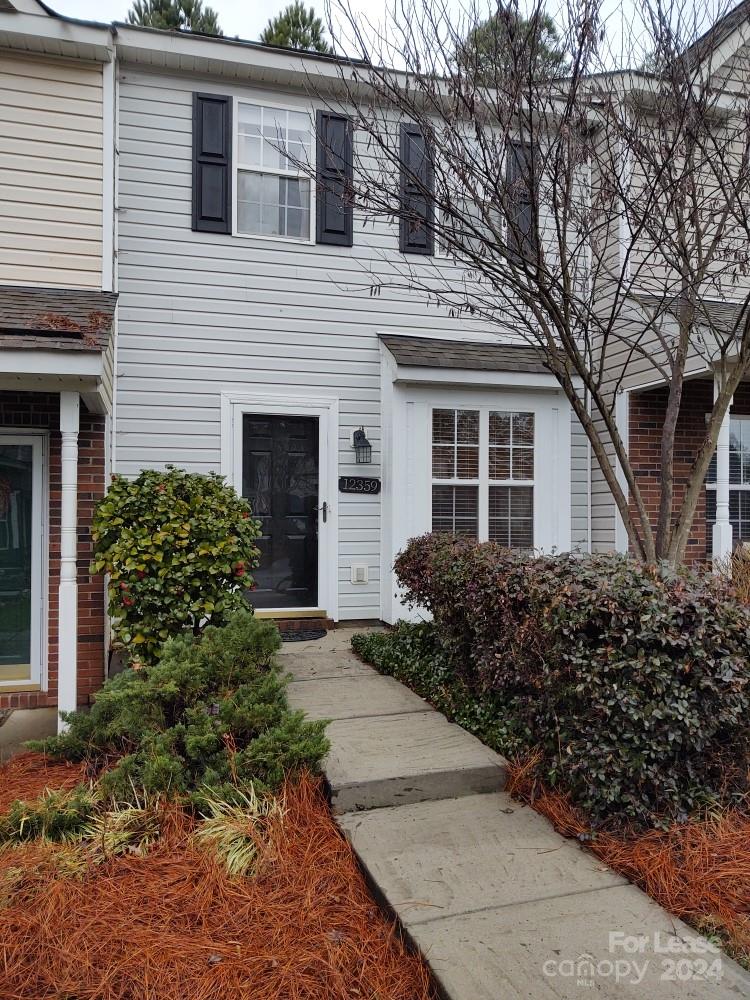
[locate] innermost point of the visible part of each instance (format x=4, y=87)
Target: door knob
x=323, y=510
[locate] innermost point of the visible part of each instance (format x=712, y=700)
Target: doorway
x=281, y=479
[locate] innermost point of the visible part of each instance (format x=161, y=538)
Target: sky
x=247, y=19
x=236, y=17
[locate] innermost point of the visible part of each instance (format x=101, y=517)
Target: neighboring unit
x=57, y=308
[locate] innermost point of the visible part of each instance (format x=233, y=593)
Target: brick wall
x=647, y=412
x=41, y=411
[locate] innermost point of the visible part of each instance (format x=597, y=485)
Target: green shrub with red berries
x=179, y=548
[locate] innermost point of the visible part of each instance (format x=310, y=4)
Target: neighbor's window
x=483, y=475
x=273, y=196
x=739, y=483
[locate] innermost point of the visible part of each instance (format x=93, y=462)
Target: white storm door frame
x=39, y=562
x=233, y=407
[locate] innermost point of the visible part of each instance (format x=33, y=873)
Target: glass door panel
x=17, y=527
x=280, y=479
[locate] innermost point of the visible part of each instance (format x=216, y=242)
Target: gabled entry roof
x=430, y=352
x=64, y=318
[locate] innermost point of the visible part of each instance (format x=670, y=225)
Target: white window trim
x=733, y=487
x=235, y=403
x=483, y=482
x=259, y=101
x=40, y=561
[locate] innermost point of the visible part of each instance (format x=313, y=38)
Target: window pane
x=455, y=509
x=523, y=463
x=742, y=527
x=523, y=428
x=268, y=205
x=467, y=462
x=499, y=501
x=521, y=502
x=443, y=464
x=521, y=533
x=298, y=137
x=443, y=426
x=499, y=428
x=468, y=426
x=511, y=516
x=499, y=463
x=734, y=467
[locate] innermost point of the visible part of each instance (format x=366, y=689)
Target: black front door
x=280, y=479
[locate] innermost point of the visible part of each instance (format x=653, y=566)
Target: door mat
x=303, y=634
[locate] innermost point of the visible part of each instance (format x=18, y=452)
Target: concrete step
x=353, y=697
x=504, y=909
x=320, y=666
x=441, y=858
x=403, y=758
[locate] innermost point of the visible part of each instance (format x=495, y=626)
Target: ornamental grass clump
x=179, y=550
x=633, y=681
x=207, y=721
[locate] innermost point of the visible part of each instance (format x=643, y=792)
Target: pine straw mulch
x=170, y=924
x=700, y=871
x=26, y=776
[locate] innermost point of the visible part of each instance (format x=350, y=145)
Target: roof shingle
x=428, y=352
x=64, y=318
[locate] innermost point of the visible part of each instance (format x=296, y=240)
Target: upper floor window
x=273, y=194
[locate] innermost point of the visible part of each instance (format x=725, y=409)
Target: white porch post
x=68, y=594
x=722, y=532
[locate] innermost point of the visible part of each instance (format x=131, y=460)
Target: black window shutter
x=519, y=181
x=417, y=192
x=212, y=163
x=334, y=167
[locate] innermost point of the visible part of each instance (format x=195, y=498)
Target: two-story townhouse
x=250, y=343
x=57, y=304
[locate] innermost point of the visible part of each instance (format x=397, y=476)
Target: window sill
x=286, y=240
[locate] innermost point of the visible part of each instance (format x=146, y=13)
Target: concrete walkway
x=502, y=907
x=25, y=724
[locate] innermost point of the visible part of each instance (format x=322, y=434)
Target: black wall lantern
x=362, y=447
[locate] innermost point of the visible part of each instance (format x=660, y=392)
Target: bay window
x=273, y=195
x=483, y=475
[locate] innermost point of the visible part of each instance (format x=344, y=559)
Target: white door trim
x=236, y=403
x=39, y=556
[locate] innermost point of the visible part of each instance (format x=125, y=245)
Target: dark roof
x=721, y=316
x=718, y=32
x=67, y=318
x=428, y=352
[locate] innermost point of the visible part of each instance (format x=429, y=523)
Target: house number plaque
x=358, y=484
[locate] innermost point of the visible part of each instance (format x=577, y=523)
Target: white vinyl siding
x=201, y=313
x=50, y=172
